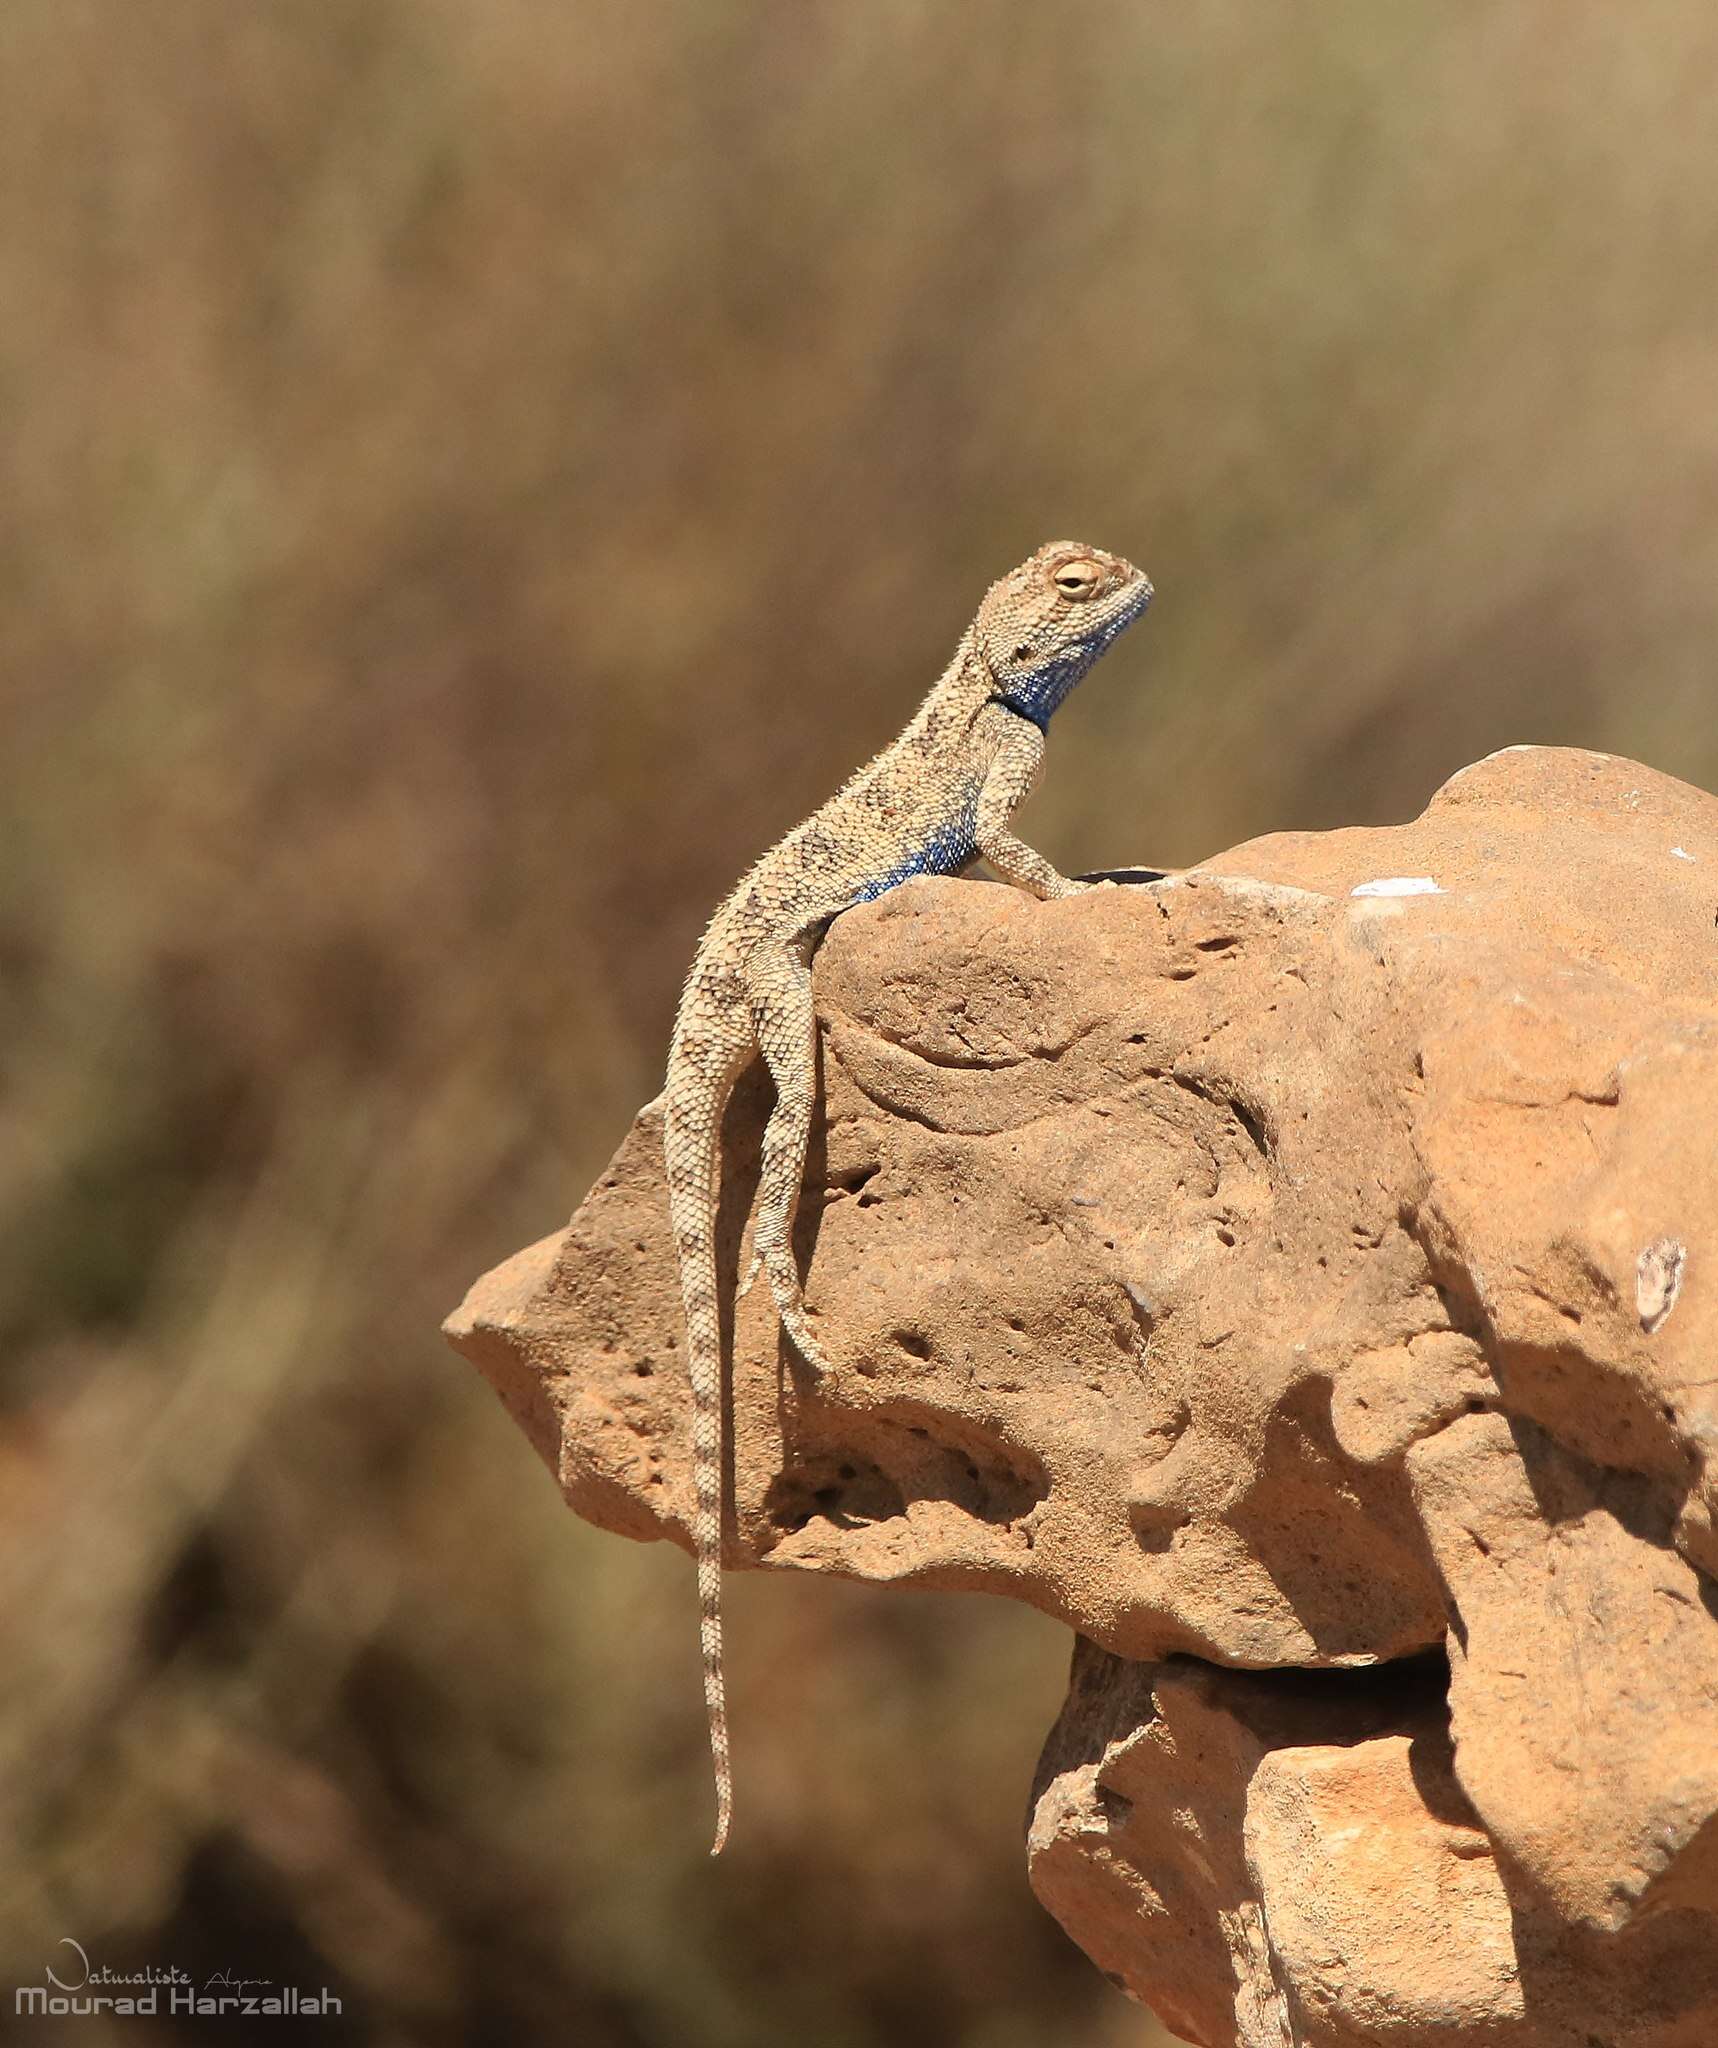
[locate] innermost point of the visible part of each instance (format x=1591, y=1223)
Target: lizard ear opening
x=1021, y=653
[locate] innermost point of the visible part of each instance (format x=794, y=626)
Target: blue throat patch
x=1039, y=693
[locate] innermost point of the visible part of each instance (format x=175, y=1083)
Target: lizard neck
x=956, y=698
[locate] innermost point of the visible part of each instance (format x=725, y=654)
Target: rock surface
x=1300, y=1276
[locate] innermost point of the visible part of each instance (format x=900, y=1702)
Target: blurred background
x=472, y=476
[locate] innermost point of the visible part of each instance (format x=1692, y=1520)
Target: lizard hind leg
x=786, y=1027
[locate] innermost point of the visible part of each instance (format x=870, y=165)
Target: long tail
x=692, y=1125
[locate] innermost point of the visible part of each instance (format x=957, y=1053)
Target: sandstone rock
x=1300, y=1276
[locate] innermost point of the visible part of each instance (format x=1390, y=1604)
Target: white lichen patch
x=1398, y=885
x=1681, y=853
x=1658, y=1281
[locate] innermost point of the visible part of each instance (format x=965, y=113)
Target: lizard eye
x=1078, y=580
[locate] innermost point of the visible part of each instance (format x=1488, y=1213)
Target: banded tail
x=697, y=1094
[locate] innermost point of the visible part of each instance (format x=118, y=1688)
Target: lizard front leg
x=1013, y=770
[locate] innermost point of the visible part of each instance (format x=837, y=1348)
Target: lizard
x=943, y=793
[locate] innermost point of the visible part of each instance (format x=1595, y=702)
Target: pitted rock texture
x=1300, y=1276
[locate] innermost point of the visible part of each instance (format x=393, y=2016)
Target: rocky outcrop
x=1300, y=1275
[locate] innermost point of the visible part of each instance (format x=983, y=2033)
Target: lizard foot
x=790, y=1307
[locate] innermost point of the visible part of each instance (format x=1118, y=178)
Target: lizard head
x=1044, y=625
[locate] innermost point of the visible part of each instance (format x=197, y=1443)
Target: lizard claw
x=752, y=1272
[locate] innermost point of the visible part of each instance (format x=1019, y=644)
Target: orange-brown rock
x=1301, y=1276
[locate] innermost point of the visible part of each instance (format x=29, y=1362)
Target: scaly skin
x=942, y=794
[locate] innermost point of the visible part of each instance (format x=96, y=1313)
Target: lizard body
x=942, y=794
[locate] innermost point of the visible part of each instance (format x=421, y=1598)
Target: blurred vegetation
x=472, y=476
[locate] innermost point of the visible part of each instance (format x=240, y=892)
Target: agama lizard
x=943, y=793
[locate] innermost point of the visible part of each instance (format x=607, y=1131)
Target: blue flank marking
x=948, y=848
